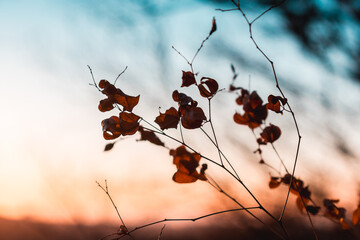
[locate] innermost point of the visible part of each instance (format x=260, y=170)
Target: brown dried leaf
x=332, y=210
x=271, y=133
x=169, y=119
x=274, y=103
x=111, y=128
x=211, y=84
x=193, y=118
x=314, y=210
x=106, y=105
x=181, y=177
x=274, y=182
x=243, y=97
x=128, y=102
x=188, y=79
x=109, y=146
x=122, y=230
x=213, y=27
x=149, y=136
x=115, y=95
x=186, y=164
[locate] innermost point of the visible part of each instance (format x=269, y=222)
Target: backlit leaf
x=111, y=128
x=106, y=105
x=274, y=103
x=314, y=210
x=270, y=134
x=213, y=27
x=188, y=79
x=186, y=164
x=149, y=136
x=181, y=177
x=274, y=182
x=208, y=87
x=169, y=119
x=109, y=146
x=193, y=118
x=128, y=102
x=115, y=95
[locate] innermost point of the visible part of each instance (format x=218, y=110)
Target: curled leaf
x=188, y=79
x=169, y=119
x=208, y=87
x=111, y=128
x=274, y=103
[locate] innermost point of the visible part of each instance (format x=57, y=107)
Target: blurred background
x=51, y=145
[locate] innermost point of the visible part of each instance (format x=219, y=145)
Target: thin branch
x=226, y=10
x=120, y=74
x=181, y=55
x=236, y=176
x=238, y=203
x=309, y=217
x=271, y=7
x=92, y=76
x=106, y=190
x=181, y=133
x=213, y=131
x=161, y=232
x=201, y=46
x=217, y=164
x=281, y=92
x=191, y=219
x=278, y=155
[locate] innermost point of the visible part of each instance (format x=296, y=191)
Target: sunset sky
x=51, y=144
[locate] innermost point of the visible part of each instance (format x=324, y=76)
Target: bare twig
x=94, y=82
x=106, y=190
x=120, y=74
x=161, y=232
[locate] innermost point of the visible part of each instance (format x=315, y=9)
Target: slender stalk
x=213, y=131
x=189, y=219
x=120, y=75
x=106, y=190
x=94, y=82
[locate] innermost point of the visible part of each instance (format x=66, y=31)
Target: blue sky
x=51, y=142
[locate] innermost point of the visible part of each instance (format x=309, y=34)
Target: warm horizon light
x=51, y=144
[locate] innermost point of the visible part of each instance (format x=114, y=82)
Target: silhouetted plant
x=189, y=115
